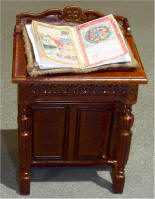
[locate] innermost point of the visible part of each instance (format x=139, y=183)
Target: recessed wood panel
x=93, y=129
x=50, y=129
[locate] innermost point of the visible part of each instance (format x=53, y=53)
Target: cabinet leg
x=118, y=180
x=125, y=134
x=25, y=148
x=25, y=182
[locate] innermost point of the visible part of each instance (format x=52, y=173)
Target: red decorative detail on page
x=95, y=22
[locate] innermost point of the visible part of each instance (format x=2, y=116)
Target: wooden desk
x=74, y=120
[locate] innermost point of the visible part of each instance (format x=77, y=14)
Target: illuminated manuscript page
x=102, y=42
x=57, y=44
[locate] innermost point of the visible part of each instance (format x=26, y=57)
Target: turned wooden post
x=118, y=174
x=25, y=144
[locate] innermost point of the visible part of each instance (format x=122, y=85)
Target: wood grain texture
x=74, y=120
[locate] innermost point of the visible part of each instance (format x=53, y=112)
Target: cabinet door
x=50, y=129
x=93, y=131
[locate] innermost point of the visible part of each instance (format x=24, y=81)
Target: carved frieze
x=80, y=89
x=129, y=91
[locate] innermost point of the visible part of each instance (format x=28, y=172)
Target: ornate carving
x=121, y=92
x=24, y=118
x=77, y=89
x=127, y=26
x=129, y=91
x=71, y=14
x=127, y=119
x=124, y=24
x=89, y=15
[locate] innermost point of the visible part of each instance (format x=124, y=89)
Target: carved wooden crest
x=69, y=15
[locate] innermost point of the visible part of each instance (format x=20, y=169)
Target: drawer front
x=50, y=132
x=93, y=132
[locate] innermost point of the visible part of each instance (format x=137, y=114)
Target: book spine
x=78, y=46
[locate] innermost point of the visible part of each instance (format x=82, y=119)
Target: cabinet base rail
x=43, y=162
x=117, y=174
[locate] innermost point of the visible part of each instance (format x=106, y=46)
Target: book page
x=102, y=42
x=57, y=44
x=39, y=61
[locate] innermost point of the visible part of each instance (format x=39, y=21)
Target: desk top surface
x=76, y=15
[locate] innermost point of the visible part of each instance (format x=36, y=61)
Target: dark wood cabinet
x=92, y=124
x=74, y=120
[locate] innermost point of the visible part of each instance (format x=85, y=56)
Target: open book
x=87, y=45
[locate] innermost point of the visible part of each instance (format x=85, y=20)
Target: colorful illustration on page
x=58, y=45
x=97, y=34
